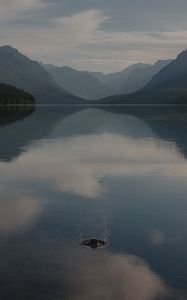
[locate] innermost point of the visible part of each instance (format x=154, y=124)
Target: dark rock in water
x=93, y=243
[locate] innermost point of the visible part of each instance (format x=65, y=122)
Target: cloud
x=66, y=272
x=80, y=40
x=120, y=277
x=16, y=10
x=17, y=212
x=157, y=237
x=64, y=33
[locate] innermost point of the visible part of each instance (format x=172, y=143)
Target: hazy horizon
x=95, y=35
x=79, y=69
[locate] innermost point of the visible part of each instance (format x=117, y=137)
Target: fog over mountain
x=18, y=70
x=173, y=76
x=116, y=80
x=79, y=83
x=163, y=82
x=132, y=78
x=169, y=86
x=97, y=85
x=139, y=77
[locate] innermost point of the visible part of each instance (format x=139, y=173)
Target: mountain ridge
x=176, y=68
x=115, y=80
x=80, y=83
x=20, y=71
x=139, y=77
x=168, y=86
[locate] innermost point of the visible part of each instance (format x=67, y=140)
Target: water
x=119, y=174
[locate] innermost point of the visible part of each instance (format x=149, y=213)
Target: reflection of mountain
x=8, y=116
x=81, y=148
x=172, y=127
x=97, y=121
x=16, y=135
x=168, y=123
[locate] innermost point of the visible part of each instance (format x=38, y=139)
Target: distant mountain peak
x=182, y=55
x=164, y=62
x=13, y=52
x=22, y=72
x=80, y=83
x=66, y=68
x=9, y=48
x=173, y=71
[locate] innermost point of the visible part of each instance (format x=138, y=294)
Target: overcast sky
x=103, y=35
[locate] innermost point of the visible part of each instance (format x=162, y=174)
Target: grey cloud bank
x=95, y=35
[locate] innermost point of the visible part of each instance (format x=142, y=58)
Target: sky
x=98, y=35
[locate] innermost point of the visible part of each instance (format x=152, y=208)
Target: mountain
x=174, y=75
x=115, y=81
x=18, y=70
x=79, y=83
x=10, y=95
x=169, y=86
x=140, y=77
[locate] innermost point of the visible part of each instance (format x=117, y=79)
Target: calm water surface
x=68, y=174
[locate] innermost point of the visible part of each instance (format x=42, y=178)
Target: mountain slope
x=139, y=77
x=18, y=70
x=175, y=73
x=169, y=86
x=115, y=81
x=79, y=83
x=10, y=95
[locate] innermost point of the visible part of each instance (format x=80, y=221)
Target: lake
x=119, y=174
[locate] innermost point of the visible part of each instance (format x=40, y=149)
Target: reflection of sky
x=139, y=178
x=76, y=164
x=107, y=276
x=46, y=270
x=17, y=211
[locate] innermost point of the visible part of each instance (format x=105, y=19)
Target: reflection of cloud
x=121, y=277
x=17, y=212
x=63, y=272
x=76, y=164
x=157, y=237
